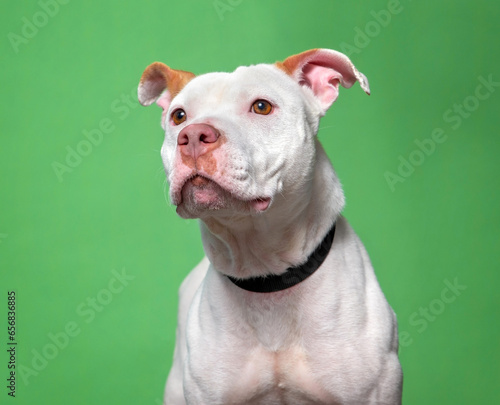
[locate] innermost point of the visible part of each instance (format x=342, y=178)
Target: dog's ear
x=161, y=84
x=322, y=70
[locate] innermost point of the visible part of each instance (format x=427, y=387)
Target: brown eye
x=179, y=116
x=262, y=107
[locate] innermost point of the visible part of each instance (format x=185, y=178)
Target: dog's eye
x=179, y=116
x=262, y=107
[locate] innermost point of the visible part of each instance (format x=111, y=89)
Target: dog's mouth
x=200, y=196
x=201, y=191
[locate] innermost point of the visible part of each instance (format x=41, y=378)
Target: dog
x=285, y=308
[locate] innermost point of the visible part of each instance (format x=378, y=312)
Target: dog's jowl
x=285, y=308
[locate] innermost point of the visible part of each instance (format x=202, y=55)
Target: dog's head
x=238, y=142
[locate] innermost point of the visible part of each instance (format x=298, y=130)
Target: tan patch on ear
x=294, y=62
x=157, y=77
x=177, y=79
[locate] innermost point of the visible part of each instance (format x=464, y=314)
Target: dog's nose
x=198, y=139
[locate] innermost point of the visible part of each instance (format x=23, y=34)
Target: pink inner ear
x=324, y=83
x=164, y=100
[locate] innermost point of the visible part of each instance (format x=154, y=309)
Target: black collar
x=291, y=277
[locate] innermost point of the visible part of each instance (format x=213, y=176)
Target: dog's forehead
x=257, y=73
x=244, y=80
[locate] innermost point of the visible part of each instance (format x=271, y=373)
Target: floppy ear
x=157, y=78
x=322, y=70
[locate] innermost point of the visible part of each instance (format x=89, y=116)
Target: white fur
x=332, y=339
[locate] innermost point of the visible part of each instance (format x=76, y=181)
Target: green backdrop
x=95, y=253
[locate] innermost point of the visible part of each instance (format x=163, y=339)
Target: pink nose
x=197, y=139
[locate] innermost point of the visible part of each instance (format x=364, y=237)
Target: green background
x=62, y=236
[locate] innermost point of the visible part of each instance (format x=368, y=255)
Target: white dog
x=286, y=308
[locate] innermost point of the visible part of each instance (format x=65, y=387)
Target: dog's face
x=235, y=143
x=225, y=154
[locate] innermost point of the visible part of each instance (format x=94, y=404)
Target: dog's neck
x=283, y=236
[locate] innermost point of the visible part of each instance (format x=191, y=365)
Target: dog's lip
x=259, y=204
x=198, y=180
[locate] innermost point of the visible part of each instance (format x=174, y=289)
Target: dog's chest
x=261, y=376
x=282, y=377
x=265, y=354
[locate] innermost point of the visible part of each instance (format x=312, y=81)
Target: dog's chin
x=202, y=197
